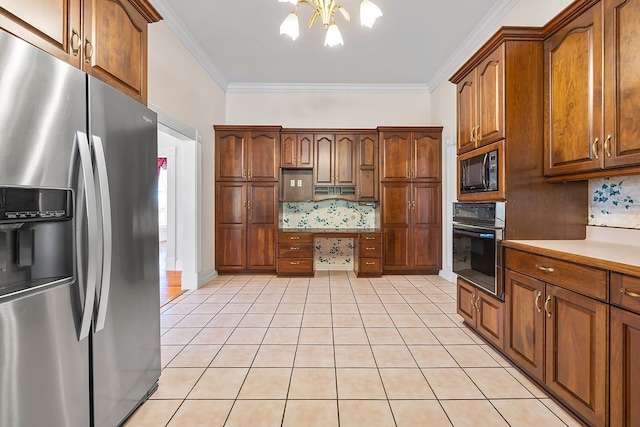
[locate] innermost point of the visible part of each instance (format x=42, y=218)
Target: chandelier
x=325, y=9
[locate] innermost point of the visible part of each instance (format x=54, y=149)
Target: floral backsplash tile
x=329, y=214
x=615, y=202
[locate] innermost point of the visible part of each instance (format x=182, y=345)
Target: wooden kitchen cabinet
x=247, y=193
x=591, y=64
x=296, y=150
x=411, y=224
x=368, y=255
x=295, y=254
x=558, y=335
x=410, y=154
x=483, y=312
x=247, y=153
x=105, y=38
x=625, y=368
x=334, y=172
x=367, y=179
x=480, y=103
x=246, y=226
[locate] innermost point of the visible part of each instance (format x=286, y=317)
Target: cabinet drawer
x=370, y=266
x=625, y=291
x=295, y=237
x=582, y=279
x=295, y=250
x=370, y=250
x=295, y=266
x=370, y=237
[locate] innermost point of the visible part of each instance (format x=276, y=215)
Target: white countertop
x=616, y=249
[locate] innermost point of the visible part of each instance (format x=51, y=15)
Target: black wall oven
x=478, y=229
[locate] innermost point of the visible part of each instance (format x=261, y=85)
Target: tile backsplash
x=615, y=202
x=332, y=214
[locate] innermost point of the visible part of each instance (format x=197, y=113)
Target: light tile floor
x=333, y=351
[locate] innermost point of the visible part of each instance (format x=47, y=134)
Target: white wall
x=443, y=107
x=179, y=86
x=327, y=110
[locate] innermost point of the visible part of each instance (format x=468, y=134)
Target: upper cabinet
x=296, y=150
x=368, y=166
x=334, y=173
x=247, y=153
x=105, y=38
x=592, y=87
x=480, y=103
x=410, y=154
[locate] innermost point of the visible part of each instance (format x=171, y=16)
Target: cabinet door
x=323, y=172
x=345, y=160
x=426, y=251
x=262, y=220
x=524, y=341
x=426, y=226
x=230, y=155
x=231, y=226
x=466, y=298
x=304, y=156
x=51, y=25
x=576, y=352
x=466, y=109
x=263, y=155
x=427, y=156
x=573, y=102
x=491, y=98
x=289, y=150
x=622, y=83
x=625, y=368
x=395, y=156
x=397, y=249
x=490, y=323
x=115, y=46
x=368, y=167
x=426, y=210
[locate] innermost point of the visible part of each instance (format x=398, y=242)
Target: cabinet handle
x=88, y=55
x=369, y=238
x=546, y=306
x=477, y=128
x=474, y=302
x=249, y=204
x=244, y=204
x=629, y=293
x=294, y=248
x=294, y=238
x=75, y=42
x=295, y=263
x=244, y=173
x=545, y=269
x=369, y=249
x=607, y=149
x=477, y=305
x=370, y=263
x=472, y=137
x=538, y=302
x=249, y=174
x=594, y=148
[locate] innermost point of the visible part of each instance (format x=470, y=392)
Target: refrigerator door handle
x=107, y=242
x=82, y=143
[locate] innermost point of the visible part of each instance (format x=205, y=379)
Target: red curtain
x=162, y=164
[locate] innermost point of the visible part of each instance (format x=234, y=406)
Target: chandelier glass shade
x=326, y=9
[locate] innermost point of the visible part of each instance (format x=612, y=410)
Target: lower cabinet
x=483, y=312
x=560, y=338
x=368, y=255
x=246, y=226
x=295, y=254
x=625, y=351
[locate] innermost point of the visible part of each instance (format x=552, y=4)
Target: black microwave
x=479, y=173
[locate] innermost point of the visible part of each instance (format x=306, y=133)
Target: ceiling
x=416, y=44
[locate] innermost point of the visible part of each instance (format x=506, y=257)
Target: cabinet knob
x=594, y=148
x=88, y=53
x=75, y=42
x=607, y=148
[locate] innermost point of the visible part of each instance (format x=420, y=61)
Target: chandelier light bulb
x=290, y=25
x=293, y=2
x=369, y=12
x=333, y=36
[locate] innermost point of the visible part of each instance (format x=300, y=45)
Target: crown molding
x=469, y=45
x=325, y=88
x=186, y=38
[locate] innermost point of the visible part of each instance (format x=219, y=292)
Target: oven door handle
x=489, y=235
x=474, y=228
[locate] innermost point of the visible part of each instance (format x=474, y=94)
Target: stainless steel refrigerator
x=79, y=281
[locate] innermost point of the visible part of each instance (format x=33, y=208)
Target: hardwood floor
x=170, y=281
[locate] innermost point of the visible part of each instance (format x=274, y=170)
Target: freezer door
x=44, y=368
x=126, y=348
